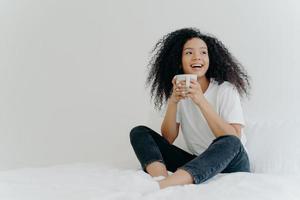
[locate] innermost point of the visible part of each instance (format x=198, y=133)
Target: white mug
x=186, y=77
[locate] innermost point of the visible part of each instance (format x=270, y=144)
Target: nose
x=196, y=56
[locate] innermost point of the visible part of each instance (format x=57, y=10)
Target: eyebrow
x=193, y=48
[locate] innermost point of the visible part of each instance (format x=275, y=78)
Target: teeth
x=197, y=65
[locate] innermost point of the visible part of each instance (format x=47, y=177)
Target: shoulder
x=226, y=88
x=226, y=85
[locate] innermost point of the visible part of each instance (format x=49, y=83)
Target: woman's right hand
x=179, y=90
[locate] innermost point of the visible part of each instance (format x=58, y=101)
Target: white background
x=72, y=73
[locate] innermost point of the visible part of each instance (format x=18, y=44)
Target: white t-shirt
x=225, y=101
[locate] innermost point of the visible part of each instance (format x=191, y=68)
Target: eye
x=204, y=52
x=188, y=52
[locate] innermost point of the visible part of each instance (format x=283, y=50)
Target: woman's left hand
x=195, y=92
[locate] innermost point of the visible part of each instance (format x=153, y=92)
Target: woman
x=208, y=112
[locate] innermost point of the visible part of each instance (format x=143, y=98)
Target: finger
x=190, y=91
x=181, y=93
x=181, y=90
x=184, y=93
x=178, y=97
x=174, y=80
x=181, y=97
x=193, y=82
x=181, y=83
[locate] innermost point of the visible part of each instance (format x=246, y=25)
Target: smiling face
x=195, y=57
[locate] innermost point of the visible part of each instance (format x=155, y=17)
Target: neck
x=204, y=83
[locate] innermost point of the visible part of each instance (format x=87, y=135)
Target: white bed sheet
x=91, y=181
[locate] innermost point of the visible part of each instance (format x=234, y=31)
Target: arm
x=169, y=127
x=216, y=123
x=218, y=126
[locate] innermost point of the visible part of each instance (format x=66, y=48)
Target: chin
x=199, y=75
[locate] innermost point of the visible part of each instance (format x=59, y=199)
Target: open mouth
x=197, y=65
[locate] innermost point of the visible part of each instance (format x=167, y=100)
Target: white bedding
x=91, y=181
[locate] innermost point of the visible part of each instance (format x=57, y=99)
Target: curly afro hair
x=166, y=63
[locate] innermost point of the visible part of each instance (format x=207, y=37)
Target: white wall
x=72, y=73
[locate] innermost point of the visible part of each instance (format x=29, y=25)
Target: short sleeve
x=229, y=104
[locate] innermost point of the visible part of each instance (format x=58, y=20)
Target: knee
x=233, y=141
x=136, y=132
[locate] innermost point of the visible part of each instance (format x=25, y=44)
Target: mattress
x=91, y=181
